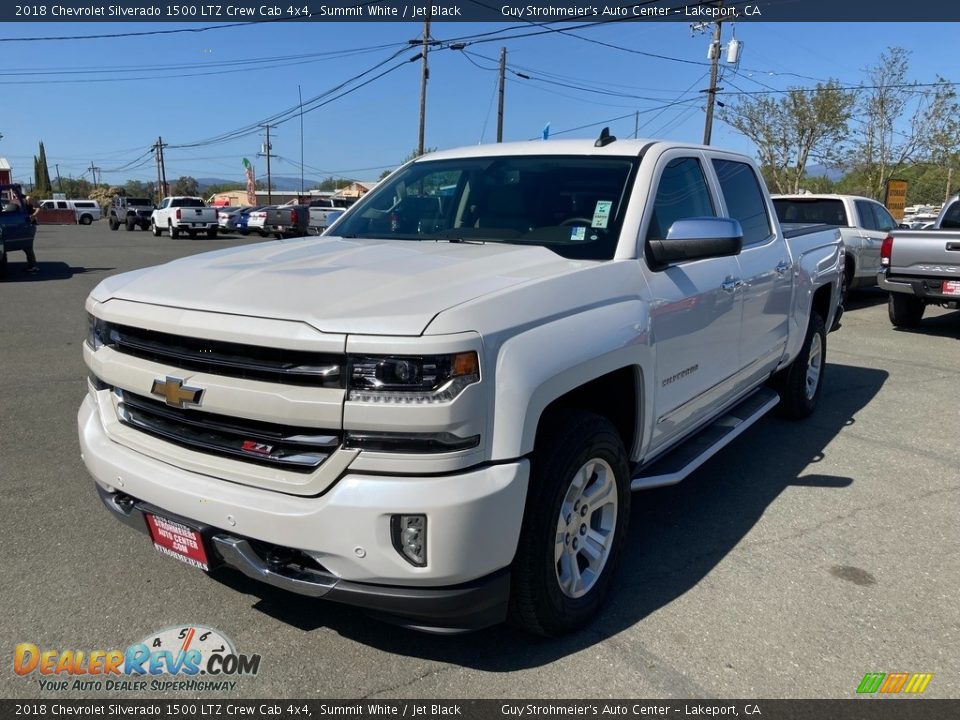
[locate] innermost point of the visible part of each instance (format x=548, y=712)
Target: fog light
x=409, y=533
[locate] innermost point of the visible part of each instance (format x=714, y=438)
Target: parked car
x=863, y=223
x=16, y=230
x=439, y=413
x=130, y=212
x=922, y=267
x=227, y=218
x=243, y=218
x=86, y=211
x=287, y=221
x=322, y=214
x=184, y=214
x=257, y=220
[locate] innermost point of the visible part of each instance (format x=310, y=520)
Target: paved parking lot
x=803, y=556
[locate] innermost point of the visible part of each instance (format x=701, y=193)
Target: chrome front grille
x=253, y=362
x=283, y=446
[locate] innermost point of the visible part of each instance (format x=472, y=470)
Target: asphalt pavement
x=803, y=556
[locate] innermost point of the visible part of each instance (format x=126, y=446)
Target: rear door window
x=868, y=219
x=885, y=221
x=744, y=199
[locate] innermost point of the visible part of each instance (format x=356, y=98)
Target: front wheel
x=799, y=384
x=905, y=311
x=574, y=524
x=131, y=225
x=114, y=223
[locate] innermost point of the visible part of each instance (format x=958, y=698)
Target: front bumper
x=474, y=520
x=925, y=288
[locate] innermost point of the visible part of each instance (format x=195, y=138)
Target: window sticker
x=601, y=214
x=578, y=233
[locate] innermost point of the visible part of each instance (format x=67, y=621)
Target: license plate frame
x=182, y=542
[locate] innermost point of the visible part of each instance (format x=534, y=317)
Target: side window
x=62, y=205
x=868, y=221
x=744, y=199
x=885, y=221
x=682, y=193
x=951, y=218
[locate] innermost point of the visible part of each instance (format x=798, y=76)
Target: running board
x=694, y=452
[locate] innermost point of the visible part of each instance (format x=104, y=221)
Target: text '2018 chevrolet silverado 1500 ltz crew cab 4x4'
x=438, y=411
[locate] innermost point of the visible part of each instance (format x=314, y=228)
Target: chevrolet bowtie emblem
x=175, y=393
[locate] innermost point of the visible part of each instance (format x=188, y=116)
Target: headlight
x=96, y=332
x=425, y=379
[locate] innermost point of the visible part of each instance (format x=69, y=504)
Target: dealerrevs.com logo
x=188, y=658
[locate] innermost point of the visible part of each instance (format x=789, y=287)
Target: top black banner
x=534, y=13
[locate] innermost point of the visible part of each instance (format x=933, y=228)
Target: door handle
x=782, y=267
x=731, y=285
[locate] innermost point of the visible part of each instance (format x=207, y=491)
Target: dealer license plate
x=951, y=287
x=178, y=541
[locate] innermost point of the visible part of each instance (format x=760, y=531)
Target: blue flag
x=546, y=131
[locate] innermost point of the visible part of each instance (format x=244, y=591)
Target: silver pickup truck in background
x=922, y=267
x=863, y=223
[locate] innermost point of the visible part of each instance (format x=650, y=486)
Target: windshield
x=139, y=202
x=571, y=205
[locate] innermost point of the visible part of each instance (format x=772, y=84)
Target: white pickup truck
x=184, y=214
x=438, y=411
x=864, y=225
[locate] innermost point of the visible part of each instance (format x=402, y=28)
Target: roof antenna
x=605, y=138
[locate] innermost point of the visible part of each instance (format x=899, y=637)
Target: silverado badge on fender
x=175, y=393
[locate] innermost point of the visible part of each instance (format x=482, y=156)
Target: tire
x=800, y=383
x=244, y=232
x=174, y=232
x=155, y=230
x=263, y=233
x=131, y=225
x=548, y=597
x=846, y=280
x=114, y=223
x=905, y=311
x=3, y=265
x=86, y=219
x=212, y=233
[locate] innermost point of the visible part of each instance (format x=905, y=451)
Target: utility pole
x=300, y=95
x=424, y=75
x=159, y=189
x=161, y=168
x=503, y=82
x=946, y=197
x=714, y=67
x=636, y=124
x=93, y=174
x=267, y=147
x=60, y=183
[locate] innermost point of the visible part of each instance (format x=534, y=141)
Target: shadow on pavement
x=677, y=536
x=865, y=297
x=946, y=325
x=16, y=271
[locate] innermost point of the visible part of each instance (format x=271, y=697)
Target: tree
x=137, y=188
x=903, y=122
x=791, y=130
x=186, y=185
x=43, y=173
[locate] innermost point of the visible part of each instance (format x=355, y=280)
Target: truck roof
x=616, y=148
x=819, y=196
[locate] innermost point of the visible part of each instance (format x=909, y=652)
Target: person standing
x=32, y=212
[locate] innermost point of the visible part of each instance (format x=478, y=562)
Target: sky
x=105, y=101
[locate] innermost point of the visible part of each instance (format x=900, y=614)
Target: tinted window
x=84, y=205
x=951, y=218
x=816, y=211
x=885, y=221
x=572, y=205
x=187, y=202
x=744, y=199
x=62, y=205
x=868, y=220
x=682, y=193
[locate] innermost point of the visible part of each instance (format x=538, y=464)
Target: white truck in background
x=438, y=411
x=863, y=223
x=178, y=214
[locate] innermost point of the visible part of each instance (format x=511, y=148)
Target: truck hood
x=339, y=286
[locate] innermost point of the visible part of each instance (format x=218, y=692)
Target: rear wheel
x=174, y=232
x=905, y=311
x=154, y=229
x=212, y=233
x=846, y=280
x=799, y=384
x=86, y=219
x=574, y=525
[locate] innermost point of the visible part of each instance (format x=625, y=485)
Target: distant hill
x=279, y=182
x=819, y=171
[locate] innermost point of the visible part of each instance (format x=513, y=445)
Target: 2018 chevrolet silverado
x=438, y=411
x=922, y=267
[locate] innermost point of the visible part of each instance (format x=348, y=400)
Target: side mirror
x=698, y=238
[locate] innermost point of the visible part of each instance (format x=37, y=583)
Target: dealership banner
x=533, y=13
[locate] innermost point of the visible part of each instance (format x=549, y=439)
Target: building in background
x=6, y=172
